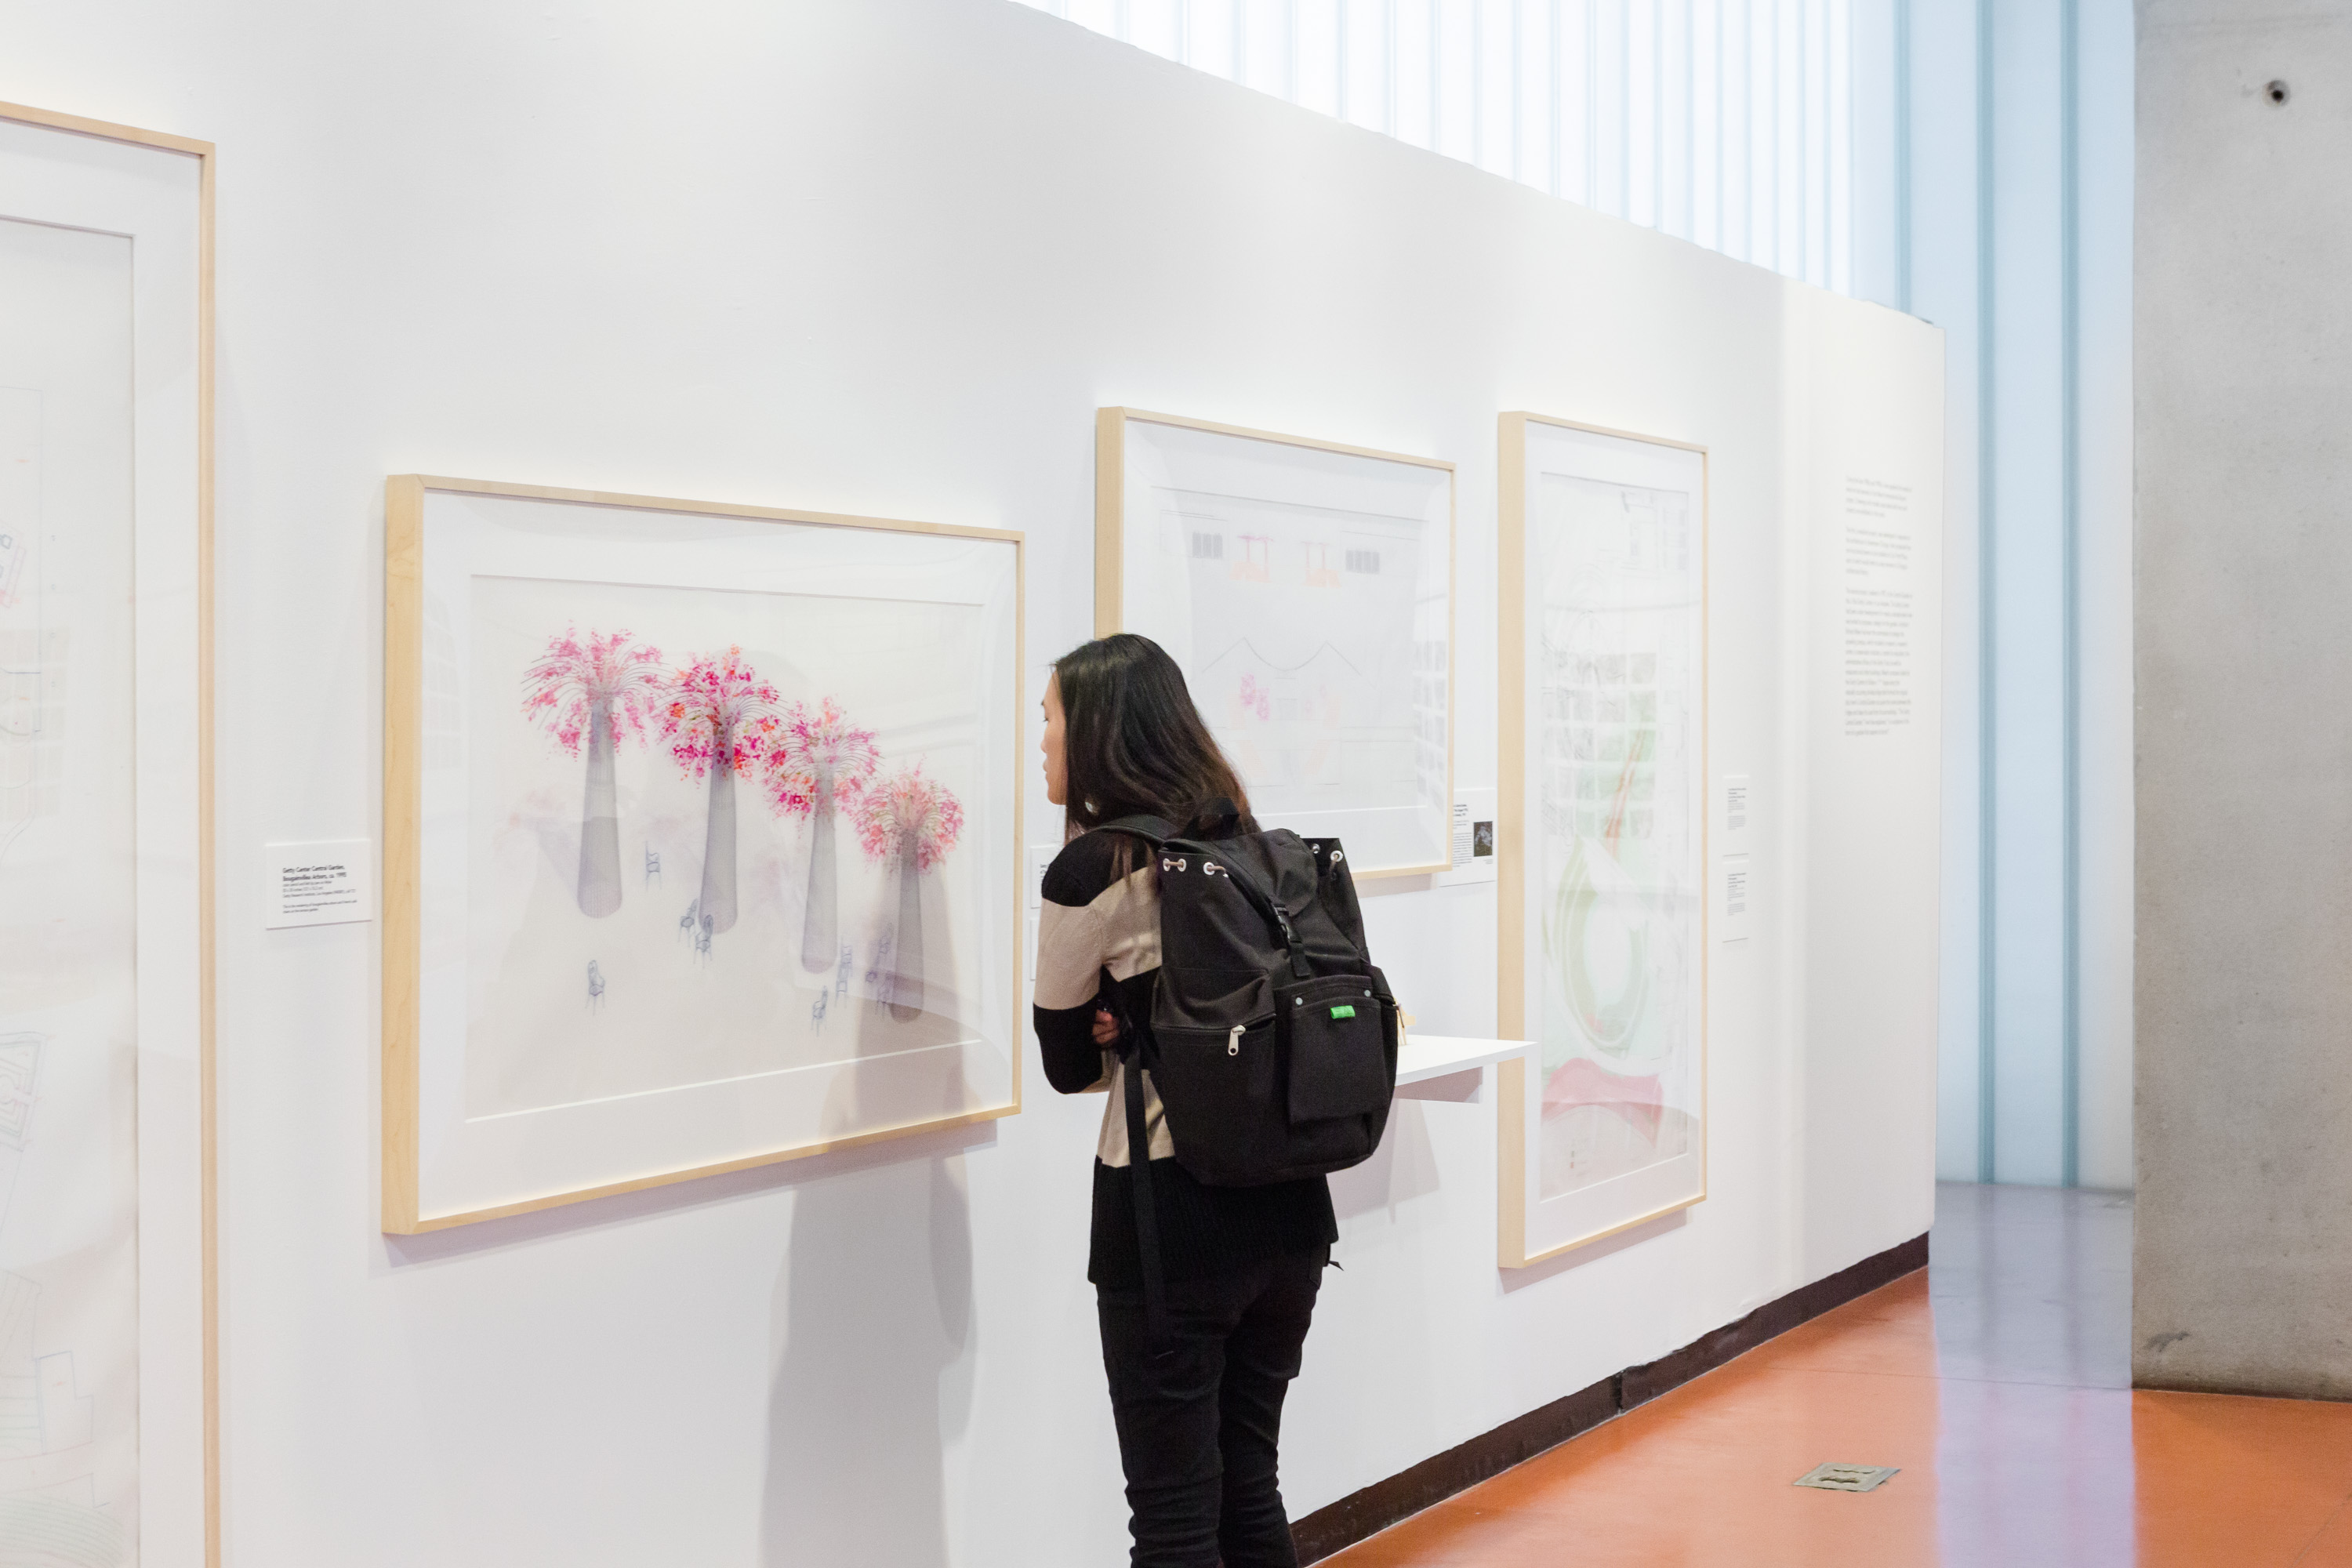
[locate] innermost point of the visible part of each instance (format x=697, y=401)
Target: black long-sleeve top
x=1099, y=928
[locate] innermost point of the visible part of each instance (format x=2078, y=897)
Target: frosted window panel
x=1728, y=122
x=69, y=1158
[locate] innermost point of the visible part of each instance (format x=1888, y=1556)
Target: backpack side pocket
x=1221, y=1092
x=1336, y=1036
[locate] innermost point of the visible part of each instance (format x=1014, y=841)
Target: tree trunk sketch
x=819, y=931
x=600, y=690
x=718, y=842
x=907, y=970
x=600, y=821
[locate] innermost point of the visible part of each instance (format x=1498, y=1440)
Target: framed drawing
x=701, y=840
x=1601, y=903
x=108, y=1451
x=1307, y=590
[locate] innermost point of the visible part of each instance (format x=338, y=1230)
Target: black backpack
x=1274, y=1039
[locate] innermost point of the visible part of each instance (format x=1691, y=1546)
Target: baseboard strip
x=1362, y=1514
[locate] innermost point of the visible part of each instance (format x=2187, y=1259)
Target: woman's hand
x=1106, y=1027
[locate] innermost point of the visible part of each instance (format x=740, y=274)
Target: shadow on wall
x=872, y=1323
x=1402, y=1168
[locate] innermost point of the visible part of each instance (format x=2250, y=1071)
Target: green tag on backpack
x=1343, y=1011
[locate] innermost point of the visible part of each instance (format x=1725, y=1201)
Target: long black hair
x=1132, y=743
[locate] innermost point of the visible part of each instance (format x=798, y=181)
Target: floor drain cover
x=1846, y=1478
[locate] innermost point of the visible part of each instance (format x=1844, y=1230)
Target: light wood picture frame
x=1323, y=577
x=824, y=666
x=1603, y=958
x=154, y=192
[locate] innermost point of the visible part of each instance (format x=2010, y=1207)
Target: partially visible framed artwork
x=1307, y=590
x=1603, y=819
x=701, y=839
x=108, y=1336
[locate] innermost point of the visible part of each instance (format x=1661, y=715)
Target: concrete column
x=2242, y=1256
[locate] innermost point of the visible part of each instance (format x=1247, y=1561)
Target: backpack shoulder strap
x=1145, y=1196
x=1153, y=830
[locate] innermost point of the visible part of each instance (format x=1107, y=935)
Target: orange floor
x=1996, y=1380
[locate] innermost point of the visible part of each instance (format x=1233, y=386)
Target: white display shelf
x=1445, y=1064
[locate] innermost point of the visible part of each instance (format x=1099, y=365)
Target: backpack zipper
x=1234, y=1039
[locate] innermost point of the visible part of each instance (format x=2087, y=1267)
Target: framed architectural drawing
x=107, y=1331
x=701, y=840
x=1601, y=875
x=1307, y=592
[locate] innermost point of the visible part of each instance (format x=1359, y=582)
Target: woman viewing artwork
x=1197, y=1425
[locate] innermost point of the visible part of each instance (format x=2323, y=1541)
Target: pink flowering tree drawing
x=719, y=720
x=818, y=760
x=909, y=822
x=595, y=692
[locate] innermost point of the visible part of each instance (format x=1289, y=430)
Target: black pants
x=1197, y=1431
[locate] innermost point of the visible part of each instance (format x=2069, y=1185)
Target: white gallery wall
x=889, y=259
x=1969, y=160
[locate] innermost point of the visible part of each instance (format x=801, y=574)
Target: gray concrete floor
x=2031, y=1285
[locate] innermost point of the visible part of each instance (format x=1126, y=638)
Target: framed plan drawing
x=1307, y=590
x=108, y=1423
x=701, y=840
x=1601, y=878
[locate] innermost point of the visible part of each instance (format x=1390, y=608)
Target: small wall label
x=1736, y=899
x=1472, y=839
x=319, y=884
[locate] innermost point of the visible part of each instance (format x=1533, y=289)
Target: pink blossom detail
x=813, y=741
x=907, y=810
x=719, y=714
x=562, y=688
